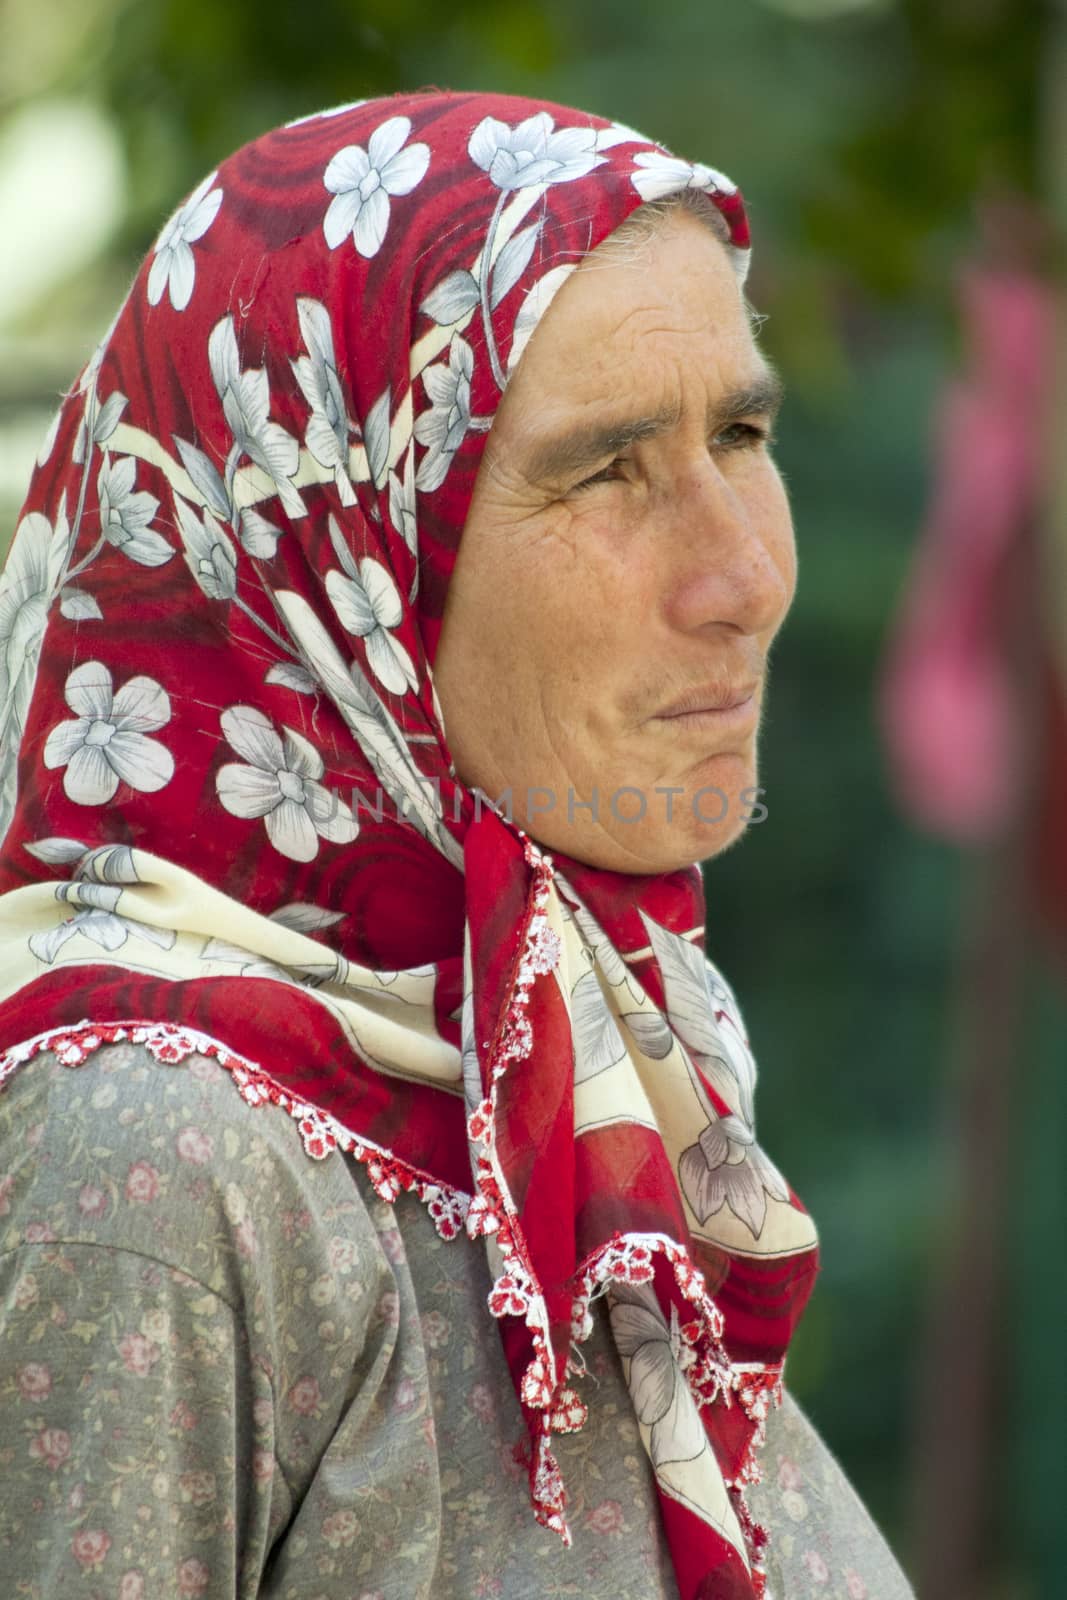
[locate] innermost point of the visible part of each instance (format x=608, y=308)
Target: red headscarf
x=232, y=823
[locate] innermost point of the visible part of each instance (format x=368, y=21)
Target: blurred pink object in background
x=950, y=700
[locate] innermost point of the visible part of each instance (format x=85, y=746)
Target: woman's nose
x=735, y=561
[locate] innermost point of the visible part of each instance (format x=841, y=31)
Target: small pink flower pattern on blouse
x=142, y=1183
x=392, y=1244
x=132, y=1585
x=816, y=1566
x=184, y=1417
x=155, y=1325
x=343, y=1253
x=245, y=1238
x=305, y=1397
x=39, y=1233
x=26, y=1293
x=139, y=1355
x=203, y=1069
x=193, y=1576
x=195, y=1146
x=34, y=1381
x=262, y=1466
x=7, y=1183
x=607, y=1517
x=406, y=1395
x=341, y=1529
x=436, y=1329
x=857, y=1589
x=295, y=1223
x=92, y=1202
x=199, y=1487
x=89, y=1547
x=794, y=1505
x=481, y=1401
x=52, y=1446
x=789, y=1474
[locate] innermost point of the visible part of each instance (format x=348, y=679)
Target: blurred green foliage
x=862, y=135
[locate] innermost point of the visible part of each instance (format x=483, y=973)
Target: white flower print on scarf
x=106, y=742
x=660, y=174
x=362, y=181
x=329, y=426
x=209, y=555
x=534, y=151
x=302, y=918
x=368, y=603
x=387, y=749
x=98, y=880
x=537, y=301
x=443, y=428
x=126, y=514
x=28, y=585
x=658, y=1356
x=98, y=422
x=725, y=1166
x=598, y=1042
x=174, y=269
x=281, y=785
x=245, y=400
x=402, y=503
x=100, y=923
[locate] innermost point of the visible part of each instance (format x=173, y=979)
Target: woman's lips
x=719, y=708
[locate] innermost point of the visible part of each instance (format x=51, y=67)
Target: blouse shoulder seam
x=121, y=1250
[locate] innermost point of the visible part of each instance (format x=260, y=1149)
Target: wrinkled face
x=627, y=561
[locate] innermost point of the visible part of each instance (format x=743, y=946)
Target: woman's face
x=627, y=561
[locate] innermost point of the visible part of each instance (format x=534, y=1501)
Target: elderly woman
x=376, y=1185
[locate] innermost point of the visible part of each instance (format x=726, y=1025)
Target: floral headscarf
x=231, y=820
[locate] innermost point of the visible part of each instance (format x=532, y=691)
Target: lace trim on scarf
x=322, y=1135
x=625, y=1258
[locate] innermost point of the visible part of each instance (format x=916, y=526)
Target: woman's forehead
x=656, y=322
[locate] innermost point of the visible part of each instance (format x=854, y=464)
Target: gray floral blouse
x=228, y=1370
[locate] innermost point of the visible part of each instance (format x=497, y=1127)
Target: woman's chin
x=649, y=846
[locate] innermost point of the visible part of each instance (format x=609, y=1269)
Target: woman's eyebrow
x=561, y=456
x=761, y=398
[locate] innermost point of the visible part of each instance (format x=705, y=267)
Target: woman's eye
x=738, y=436
x=608, y=474
x=742, y=436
